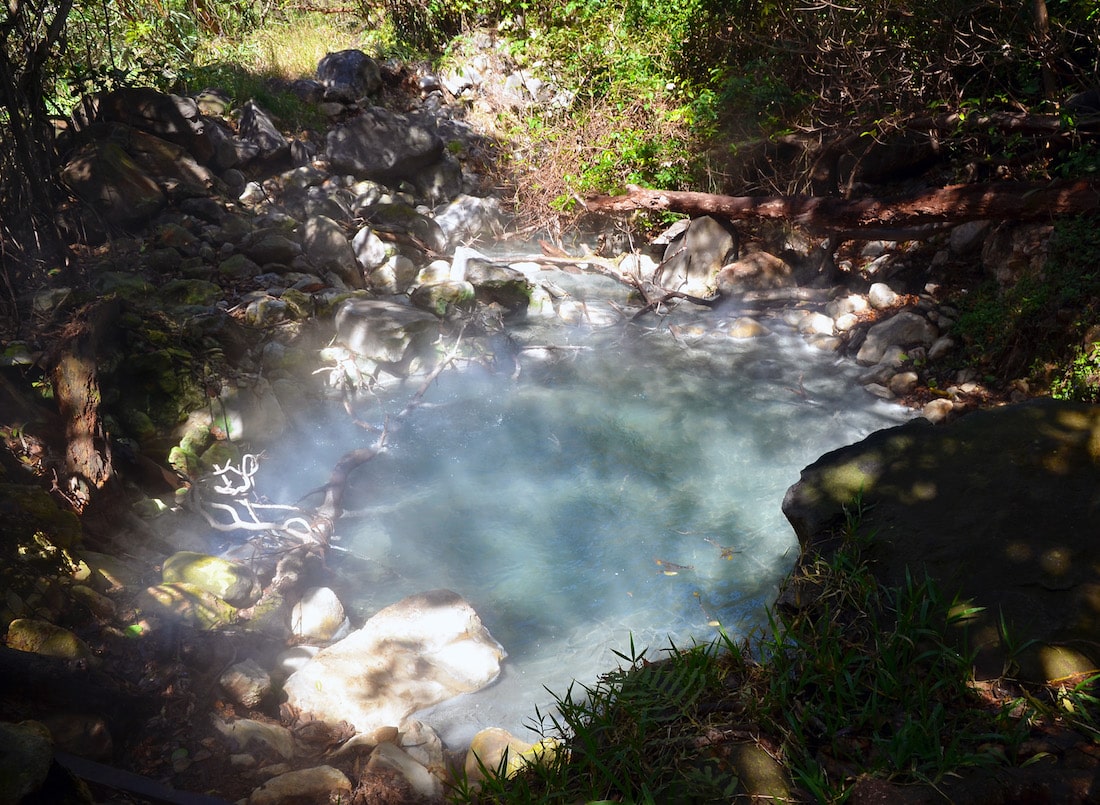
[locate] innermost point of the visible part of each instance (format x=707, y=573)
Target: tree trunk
x=88, y=464
x=852, y=217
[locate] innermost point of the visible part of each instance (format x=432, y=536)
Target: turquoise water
x=626, y=488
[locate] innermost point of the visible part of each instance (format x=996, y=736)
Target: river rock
x=187, y=604
x=881, y=296
x=445, y=299
x=999, y=507
x=258, y=129
x=326, y=245
x=227, y=580
x=903, y=329
x=423, y=785
x=318, y=616
x=370, y=250
x=418, y=652
x=754, y=272
x=243, y=734
x=691, y=264
x=499, y=285
x=386, y=334
x=383, y=145
x=319, y=784
x=469, y=218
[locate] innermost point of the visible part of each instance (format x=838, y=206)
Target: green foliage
x=1080, y=381
x=1024, y=323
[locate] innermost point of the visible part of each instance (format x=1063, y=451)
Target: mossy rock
x=229, y=581
x=444, y=299
x=187, y=604
x=29, y=509
x=42, y=637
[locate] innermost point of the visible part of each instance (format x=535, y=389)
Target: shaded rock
x=1018, y=541
x=499, y=285
x=246, y=683
x=26, y=754
x=231, y=582
x=401, y=219
x=760, y=774
x=273, y=248
x=439, y=181
x=691, y=265
x=326, y=245
x=379, y=144
x=258, y=129
x=82, y=734
x=348, y=75
x=418, y=652
x=319, y=784
x=104, y=176
x=903, y=329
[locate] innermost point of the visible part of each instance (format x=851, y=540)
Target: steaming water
x=626, y=488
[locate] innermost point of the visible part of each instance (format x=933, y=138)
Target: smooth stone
x=41, y=637
x=881, y=296
x=389, y=758
x=246, y=683
x=318, y=784
x=319, y=615
x=233, y=583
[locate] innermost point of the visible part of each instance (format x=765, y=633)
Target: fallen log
x=849, y=218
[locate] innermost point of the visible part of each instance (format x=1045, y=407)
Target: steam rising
x=626, y=487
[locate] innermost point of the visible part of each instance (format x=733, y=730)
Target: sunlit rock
x=424, y=786
x=747, y=327
x=41, y=637
x=370, y=250
x=444, y=299
x=691, y=264
x=231, y=582
x=418, y=652
x=395, y=276
x=469, y=218
x=881, y=296
x=318, y=616
x=186, y=604
x=903, y=329
x=319, y=784
x=386, y=334
x=501, y=285
x=423, y=744
x=816, y=324
x=753, y=272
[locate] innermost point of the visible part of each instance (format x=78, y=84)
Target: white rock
x=422, y=744
x=418, y=652
x=370, y=250
x=816, y=324
x=319, y=616
x=852, y=303
x=845, y=322
x=937, y=410
x=387, y=757
x=881, y=296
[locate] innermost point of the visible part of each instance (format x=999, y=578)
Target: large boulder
x=380, y=144
x=692, y=263
x=110, y=181
x=386, y=334
x=418, y=652
x=998, y=507
x=348, y=75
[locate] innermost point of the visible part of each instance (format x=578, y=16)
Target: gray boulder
x=999, y=507
x=258, y=129
x=469, y=218
x=348, y=75
x=326, y=245
x=380, y=144
x=904, y=329
x=691, y=264
x=386, y=334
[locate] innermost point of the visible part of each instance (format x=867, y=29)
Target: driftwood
x=830, y=215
